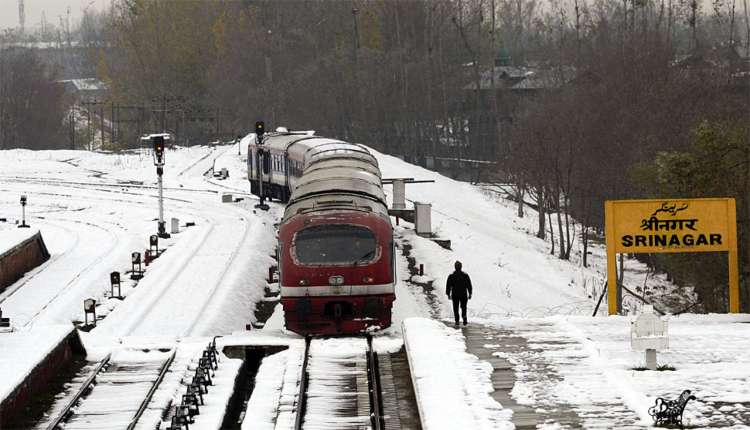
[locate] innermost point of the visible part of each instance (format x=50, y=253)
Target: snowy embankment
x=511, y=269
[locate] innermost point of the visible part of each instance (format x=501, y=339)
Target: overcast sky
x=52, y=9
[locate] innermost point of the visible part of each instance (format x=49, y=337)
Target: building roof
x=524, y=78
x=85, y=84
x=505, y=76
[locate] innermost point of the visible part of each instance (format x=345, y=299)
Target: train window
x=335, y=244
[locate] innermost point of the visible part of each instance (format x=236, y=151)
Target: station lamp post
x=260, y=130
x=23, y=212
x=158, y=141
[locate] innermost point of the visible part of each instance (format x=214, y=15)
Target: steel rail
x=147, y=400
x=377, y=416
x=89, y=380
x=302, y=396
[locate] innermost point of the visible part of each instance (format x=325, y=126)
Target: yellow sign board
x=681, y=225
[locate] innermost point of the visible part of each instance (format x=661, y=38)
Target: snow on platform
x=22, y=351
x=586, y=366
x=452, y=387
x=11, y=236
x=265, y=405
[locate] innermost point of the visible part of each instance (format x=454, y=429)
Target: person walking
x=458, y=289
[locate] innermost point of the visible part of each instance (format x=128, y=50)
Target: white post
x=162, y=231
x=260, y=177
x=161, y=200
x=651, y=359
x=399, y=194
x=649, y=333
x=423, y=219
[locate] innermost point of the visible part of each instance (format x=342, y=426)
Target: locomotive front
x=337, y=272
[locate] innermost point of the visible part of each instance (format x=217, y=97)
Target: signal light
x=158, y=145
x=368, y=279
x=260, y=128
x=303, y=282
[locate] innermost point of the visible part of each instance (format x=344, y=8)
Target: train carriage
x=336, y=249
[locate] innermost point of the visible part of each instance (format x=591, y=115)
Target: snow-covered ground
x=458, y=398
x=94, y=209
x=512, y=271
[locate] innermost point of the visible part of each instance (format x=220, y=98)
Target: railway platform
x=46, y=351
x=581, y=373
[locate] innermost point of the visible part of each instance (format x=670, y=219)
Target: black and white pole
x=159, y=160
x=23, y=212
x=260, y=130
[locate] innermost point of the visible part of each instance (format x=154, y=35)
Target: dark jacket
x=458, y=285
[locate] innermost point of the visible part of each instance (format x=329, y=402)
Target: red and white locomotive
x=336, y=248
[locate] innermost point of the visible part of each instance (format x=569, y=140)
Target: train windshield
x=335, y=244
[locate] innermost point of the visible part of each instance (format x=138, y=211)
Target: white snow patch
x=23, y=350
x=452, y=387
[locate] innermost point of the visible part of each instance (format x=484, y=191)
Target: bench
x=669, y=412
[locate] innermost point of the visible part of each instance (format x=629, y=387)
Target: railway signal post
x=23, y=212
x=260, y=130
x=158, y=142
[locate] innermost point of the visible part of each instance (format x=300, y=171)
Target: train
x=336, y=253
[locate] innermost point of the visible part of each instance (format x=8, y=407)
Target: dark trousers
x=462, y=301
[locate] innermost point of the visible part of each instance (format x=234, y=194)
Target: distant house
x=730, y=64
x=86, y=90
x=512, y=85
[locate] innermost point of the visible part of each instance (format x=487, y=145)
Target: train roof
x=337, y=175
x=309, y=148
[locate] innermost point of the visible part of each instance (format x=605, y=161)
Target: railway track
x=340, y=386
x=114, y=395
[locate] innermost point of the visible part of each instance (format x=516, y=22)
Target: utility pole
x=21, y=17
x=88, y=126
x=72, y=124
x=355, y=42
x=101, y=121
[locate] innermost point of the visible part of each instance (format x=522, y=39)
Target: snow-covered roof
x=546, y=78
x=166, y=136
x=523, y=78
x=504, y=75
x=86, y=84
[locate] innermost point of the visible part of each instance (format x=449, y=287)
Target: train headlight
x=303, y=282
x=368, y=279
